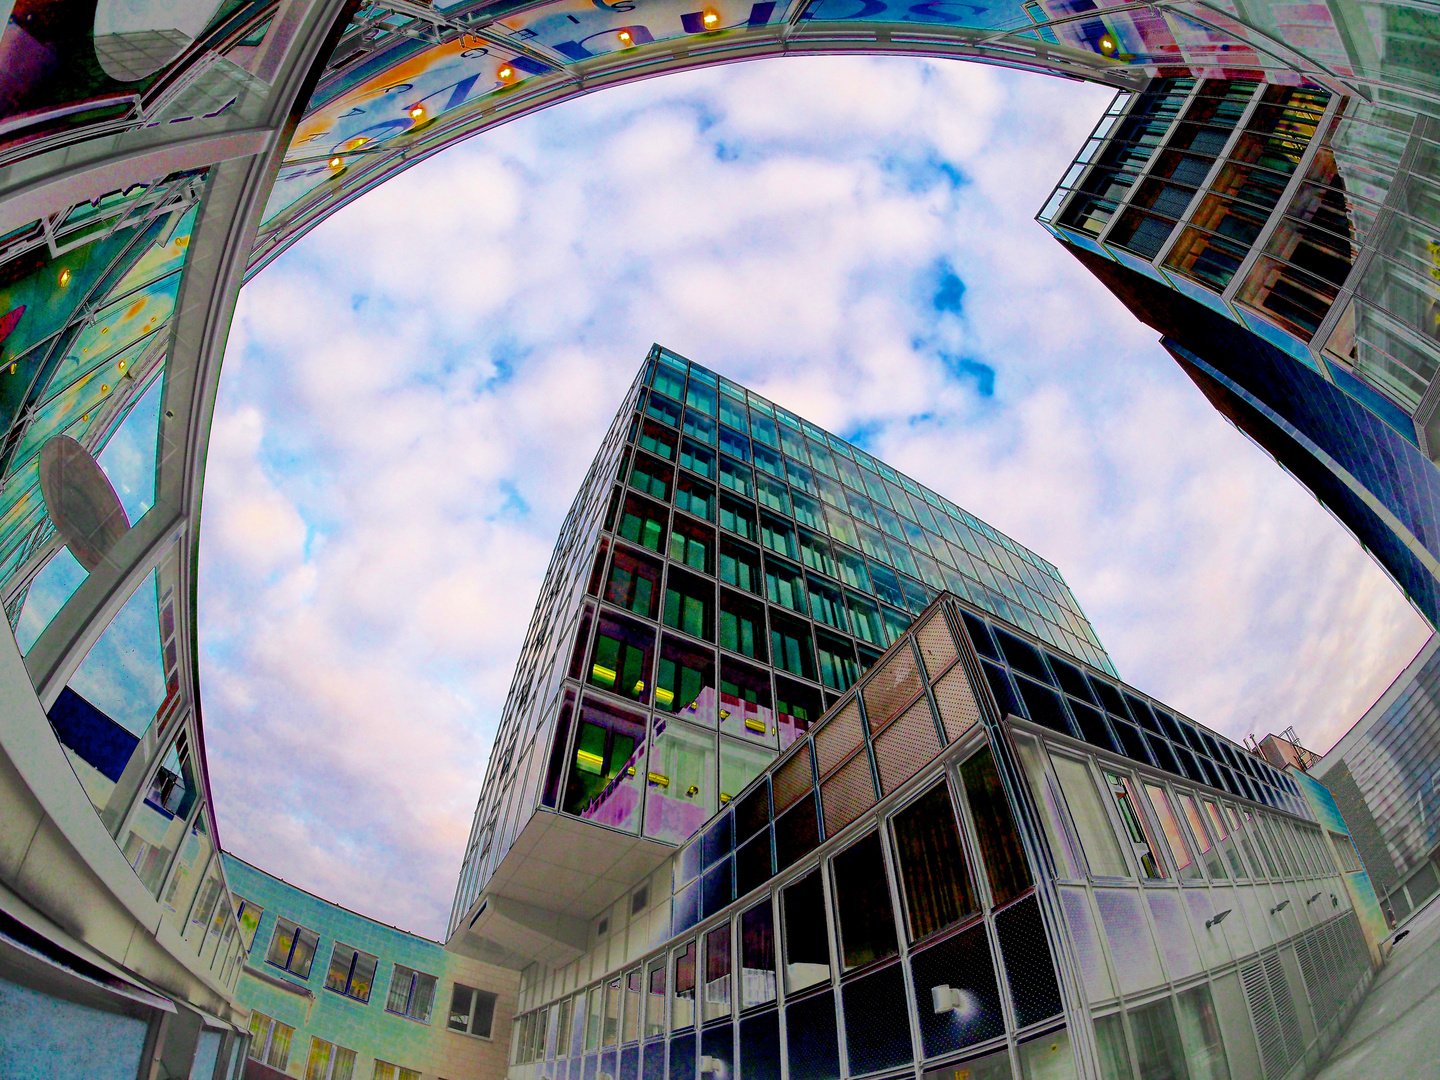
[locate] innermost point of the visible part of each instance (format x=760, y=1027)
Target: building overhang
x=560, y=873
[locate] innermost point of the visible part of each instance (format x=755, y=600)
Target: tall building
x=986, y=860
x=1383, y=774
x=726, y=571
x=1283, y=239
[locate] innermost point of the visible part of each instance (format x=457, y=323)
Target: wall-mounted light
x=1281, y=906
x=1217, y=918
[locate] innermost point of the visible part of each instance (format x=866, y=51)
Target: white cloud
x=415, y=392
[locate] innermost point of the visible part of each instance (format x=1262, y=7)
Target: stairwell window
x=412, y=994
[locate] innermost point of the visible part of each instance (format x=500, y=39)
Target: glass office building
x=726, y=571
x=1282, y=238
x=1382, y=774
x=985, y=860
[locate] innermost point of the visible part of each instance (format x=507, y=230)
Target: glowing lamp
x=711, y=18
x=64, y=277
x=1107, y=45
x=417, y=113
x=625, y=38
x=334, y=162
x=506, y=73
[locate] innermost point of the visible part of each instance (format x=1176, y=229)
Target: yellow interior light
x=639, y=687
x=417, y=112
x=725, y=798
x=603, y=674
x=585, y=757
x=663, y=696
x=334, y=162
x=658, y=779
x=12, y=369
x=1107, y=44
x=104, y=388
x=625, y=38
x=506, y=73
x=755, y=724
x=122, y=365
x=710, y=18
x=64, y=277
x=724, y=714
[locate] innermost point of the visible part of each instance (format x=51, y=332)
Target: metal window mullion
x=1286, y=198
x=1144, y=172
x=1221, y=159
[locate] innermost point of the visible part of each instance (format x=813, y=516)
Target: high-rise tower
x=726, y=570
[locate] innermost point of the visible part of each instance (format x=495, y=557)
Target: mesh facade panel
x=958, y=709
x=892, y=687
x=847, y=794
x=906, y=746
x=937, y=646
x=837, y=740
x=793, y=779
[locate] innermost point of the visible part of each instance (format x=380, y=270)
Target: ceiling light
x=506, y=73
x=625, y=38
x=417, y=112
x=711, y=18
x=335, y=163
x=64, y=277
x=1107, y=45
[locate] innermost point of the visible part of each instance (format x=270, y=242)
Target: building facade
x=336, y=996
x=1382, y=774
x=986, y=860
x=1283, y=239
x=726, y=571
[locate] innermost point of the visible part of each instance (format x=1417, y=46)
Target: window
x=631, y=1025
x=609, y=747
x=1179, y=850
x=249, y=916
x=385, y=1070
x=937, y=885
x=473, y=1011
x=611, y=1029
x=685, y=681
x=740, y=566
x=1197, y=829
x=1097, y=837
x=695, y=497
x=784, y=584
x=270, y=1041
x=1345, y=853
x=807, y=941
x=655, y=999
x=778, y=536
x=738, y=517
x=757, y=956
x=657, y=440
x=717, y=973
x=1123, y=792
x=693, y=544
x=1000, y=848
x=651, y=476
x=643, y=522
x=863, y=913
x=682, y=1005
x=351, y=973
x=690, y=604
x=592, y=1018
x=622, y=655
x=329, y=1062
x=634, y=583
x=736, y=477
x=412, y=994
x=697, y=458
x=742, y=626
x=292, y=948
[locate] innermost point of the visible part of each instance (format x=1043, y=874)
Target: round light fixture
x=417, y=113
x=506, y=73
x=711, y=18
x=335, y=163
x=1107, y=45
x=625, y=38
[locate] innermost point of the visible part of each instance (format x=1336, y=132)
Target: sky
x=412, y=394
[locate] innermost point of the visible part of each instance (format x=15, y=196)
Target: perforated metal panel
x=937, y=646
x=893, y=685
x=792, y=779
x=877, y=1028
x=958, y=710
x=963, y=963
x=838, y=738
x=847, y=794
x=906, y=746
x=1028, y=965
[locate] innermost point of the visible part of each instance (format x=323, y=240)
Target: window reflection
x=807, y=941
x=864, y=916
x=937, y=885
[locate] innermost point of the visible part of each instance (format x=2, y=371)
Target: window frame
x=475, y=993
x=356, y=954
x=415, y=976
x=296, y=930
